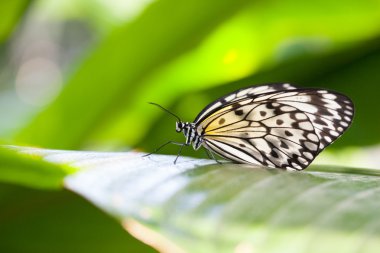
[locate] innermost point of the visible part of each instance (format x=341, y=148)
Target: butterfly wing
x=284, y=129
x=331, y=113
x=240, y=94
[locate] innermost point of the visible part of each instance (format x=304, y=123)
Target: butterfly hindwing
x=331, y=113
x=267, y=134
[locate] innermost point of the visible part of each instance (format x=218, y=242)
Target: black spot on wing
x=284, y=145
x=239, y=112
x=274, y=154
x=288, y=133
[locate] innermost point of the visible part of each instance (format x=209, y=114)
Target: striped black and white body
x=274, y=125
x=191, y=134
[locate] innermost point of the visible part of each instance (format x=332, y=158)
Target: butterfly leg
x=211, y=156
x=179, y=152
x=163, y=145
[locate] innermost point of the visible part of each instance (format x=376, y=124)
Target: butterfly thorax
x=190, y=132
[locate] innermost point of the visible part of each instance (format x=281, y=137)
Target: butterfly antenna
x=166, y=110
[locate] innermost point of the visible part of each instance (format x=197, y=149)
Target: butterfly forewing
x=274, y=125
x=241, y=94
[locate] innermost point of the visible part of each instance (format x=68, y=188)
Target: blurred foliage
x=186, y=58
x=11, y=11
x=79, y=74
x=120, y=62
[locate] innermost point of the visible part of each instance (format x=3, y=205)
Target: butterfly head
x=179, y=126
x=188, y=129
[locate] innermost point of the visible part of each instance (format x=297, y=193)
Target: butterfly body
x=273, y=125
x=191, y=134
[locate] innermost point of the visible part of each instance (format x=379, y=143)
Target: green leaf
x=11, y=12
x=31, y=170
x=204, y=207
x=165, y=30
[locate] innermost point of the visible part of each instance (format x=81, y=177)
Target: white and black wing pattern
x=240, y=94
x=284, y=128
x=331, y=113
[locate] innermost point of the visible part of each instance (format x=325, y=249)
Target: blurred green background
x=78, y=74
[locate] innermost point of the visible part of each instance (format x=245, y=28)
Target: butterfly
x=272, y=125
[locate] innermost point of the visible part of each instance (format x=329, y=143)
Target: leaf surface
x=201, y=206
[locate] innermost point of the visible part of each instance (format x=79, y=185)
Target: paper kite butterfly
x=274, y=125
